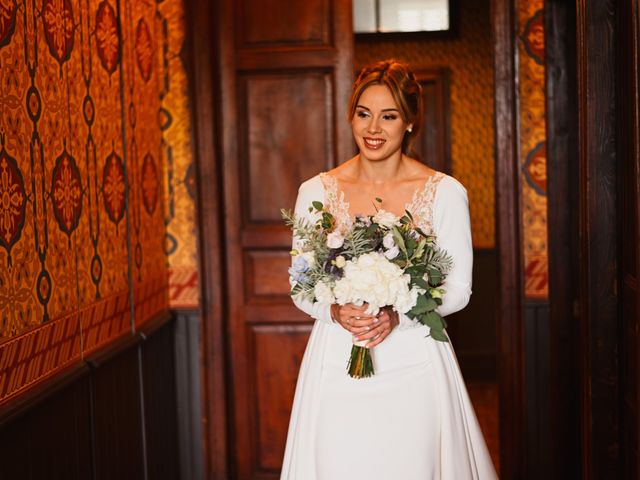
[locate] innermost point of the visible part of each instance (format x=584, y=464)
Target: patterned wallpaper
x=469, y=58
x=82, y=168
x=533, y=155
x=179, y=173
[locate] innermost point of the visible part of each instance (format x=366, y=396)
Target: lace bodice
x=420, y=206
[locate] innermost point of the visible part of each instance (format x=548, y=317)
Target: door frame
x=510, y=318
x=204, y=34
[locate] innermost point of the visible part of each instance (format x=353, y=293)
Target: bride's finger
x=379, y=339
x=370, y=334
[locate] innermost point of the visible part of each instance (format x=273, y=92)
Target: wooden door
x=629, y=154
x=285, y=79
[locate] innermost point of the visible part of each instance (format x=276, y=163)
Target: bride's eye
x=389, y=116
x=362, y=114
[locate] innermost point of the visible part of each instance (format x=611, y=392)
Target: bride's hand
x=353, y=318
x=387, y=320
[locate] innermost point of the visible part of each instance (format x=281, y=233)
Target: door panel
x=284, y=86
x=286, y=141
x=629, y=139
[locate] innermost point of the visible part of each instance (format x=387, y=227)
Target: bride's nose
x=374, y=126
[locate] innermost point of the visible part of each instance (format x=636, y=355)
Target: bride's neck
x=382, y=171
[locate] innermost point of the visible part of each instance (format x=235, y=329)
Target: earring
x=410, y=129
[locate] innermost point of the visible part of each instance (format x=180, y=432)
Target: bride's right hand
x=353, y=318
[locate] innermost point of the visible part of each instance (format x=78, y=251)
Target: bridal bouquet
x=381, y=261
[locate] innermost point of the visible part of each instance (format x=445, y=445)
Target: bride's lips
x=373, y=143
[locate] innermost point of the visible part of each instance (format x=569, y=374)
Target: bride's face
x=377, y=125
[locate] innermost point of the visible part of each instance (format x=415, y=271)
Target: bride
x=413, y=419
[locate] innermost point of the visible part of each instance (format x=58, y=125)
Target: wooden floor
x=484, y=397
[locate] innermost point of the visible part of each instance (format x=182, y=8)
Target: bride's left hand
x=387, y=321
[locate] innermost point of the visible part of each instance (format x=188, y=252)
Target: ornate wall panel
x=469, y=59
x=143, y=138
x=66, y=221
x=179, y=174
x=533, y=159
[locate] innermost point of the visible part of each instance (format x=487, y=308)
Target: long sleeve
x=452, y=227
x=309, y=191
x=453, y=232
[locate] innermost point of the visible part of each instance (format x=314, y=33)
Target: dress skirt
x=412, y=420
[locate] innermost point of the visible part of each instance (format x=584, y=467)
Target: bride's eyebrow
x=383, y=110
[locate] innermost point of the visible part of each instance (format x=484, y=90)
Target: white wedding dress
x=413, y=419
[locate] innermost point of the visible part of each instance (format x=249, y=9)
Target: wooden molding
x=510, y=316
x=205, y=25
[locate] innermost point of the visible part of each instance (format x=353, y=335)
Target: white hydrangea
x=323, y=293
x=374, y=280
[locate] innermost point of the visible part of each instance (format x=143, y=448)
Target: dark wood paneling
x=473, y=329
x=204, y=31
x=434, y=143
x=510, y=330
x=117, y=418
x=536, y=320
x=189, y=388
x=286, y=140
x=267, y=24
x=160, y=409
x=53, y=440
x=266, y=277
x=596, y=31
x=277, y=354
x=563, y=441
x=628, y=137
x=89, y=424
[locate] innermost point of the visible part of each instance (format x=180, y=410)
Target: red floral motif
x=107, y=40
x=66, y=189
x=535, y=168
x=7, y=20
x=113, y=187
x=149, y=184
x=144, y=49
x=12, y=200
x=58, y=28
x=533, y=37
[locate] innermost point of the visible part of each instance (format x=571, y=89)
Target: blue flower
x=300, y=265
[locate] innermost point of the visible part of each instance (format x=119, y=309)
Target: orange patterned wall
x=469, y=58
x=533, y=161
x=82, y=220
x=179, y=174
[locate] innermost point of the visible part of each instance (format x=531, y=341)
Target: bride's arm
x=308, y=192
x=453, y=229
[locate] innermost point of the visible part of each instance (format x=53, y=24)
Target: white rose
x=335, y=240
x=310, y=258
x=392, y=253
x=388, y=241
x=385, y=219
x=340, y=261
x=323, y=293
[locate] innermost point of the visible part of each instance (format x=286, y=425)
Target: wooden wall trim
x=561, y=105
x=38, y=394
x=596, y=69
x=204, y=27
x=510, y=333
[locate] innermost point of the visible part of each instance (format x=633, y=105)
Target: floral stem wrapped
x=379, y=261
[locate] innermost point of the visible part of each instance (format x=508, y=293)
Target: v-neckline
x=408, y=206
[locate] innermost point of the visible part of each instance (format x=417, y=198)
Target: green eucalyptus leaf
x=439, y=335
x=317, y=205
